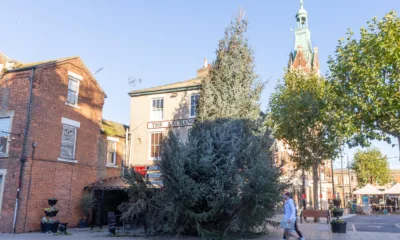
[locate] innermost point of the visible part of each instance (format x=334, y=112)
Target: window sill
x=72, y=105
x=154, y=159
x=111, y=165
x=67, y=160
x=4, y=156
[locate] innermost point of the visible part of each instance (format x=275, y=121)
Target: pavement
x=374, y=223
x=366, y=227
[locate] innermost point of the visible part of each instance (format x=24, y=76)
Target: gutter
x=23, y=152
x=171, y=90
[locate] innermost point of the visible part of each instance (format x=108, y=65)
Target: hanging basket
x=52, y=201
x=54, y=213
x=337, y=213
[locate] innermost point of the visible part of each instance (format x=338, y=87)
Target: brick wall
x=46, y=176
x=104, y=171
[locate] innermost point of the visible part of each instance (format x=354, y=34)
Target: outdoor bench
x=315, y=214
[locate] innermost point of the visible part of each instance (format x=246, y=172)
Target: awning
x=393, y=190
x=368, y=190
x=112, y=183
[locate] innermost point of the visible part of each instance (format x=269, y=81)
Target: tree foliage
x=231, y=90
x=371, y=167
x=365, y=74
x=87, y=203
x=221, y=182
x=302, y=116
x=144, y=203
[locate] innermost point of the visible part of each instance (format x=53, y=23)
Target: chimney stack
x=205, y=63
x=202, y=72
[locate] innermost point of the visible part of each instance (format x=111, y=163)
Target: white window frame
x=190, y=104
x=7, y=114
x=78, y=78
x=76, y=125
x=152, y=117
x=149, y=145
x=114, y=141
x=346, y=180
x=3, y=172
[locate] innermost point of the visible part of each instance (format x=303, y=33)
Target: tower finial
x=301, y=4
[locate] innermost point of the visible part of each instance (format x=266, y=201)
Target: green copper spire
x=302, y=33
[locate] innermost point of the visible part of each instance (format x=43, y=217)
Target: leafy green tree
x=302, y=116
x=365, y=73
x=221, y=182
x=371, y=167
x=231, y=90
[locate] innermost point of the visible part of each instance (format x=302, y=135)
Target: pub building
x=157, y=110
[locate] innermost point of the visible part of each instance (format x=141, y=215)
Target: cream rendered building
x=157, y=110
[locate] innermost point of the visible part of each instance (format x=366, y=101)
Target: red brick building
x=51, y=140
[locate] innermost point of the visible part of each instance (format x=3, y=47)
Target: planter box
x=339, y=227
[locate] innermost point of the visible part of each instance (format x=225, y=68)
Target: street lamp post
x=341, y=161
x=333, y=181
x=303, y=177
x=349, y=173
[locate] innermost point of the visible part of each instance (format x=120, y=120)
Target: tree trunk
x=315, y=187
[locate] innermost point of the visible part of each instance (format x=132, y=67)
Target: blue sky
x=164, y=41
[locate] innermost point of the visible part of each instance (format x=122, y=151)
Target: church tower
x=304, y=55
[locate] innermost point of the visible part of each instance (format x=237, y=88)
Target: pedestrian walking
x=290, y=215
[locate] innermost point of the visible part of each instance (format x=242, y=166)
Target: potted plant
x=45, y=226
x=47, y=212
x=338, y=212
x=50, y=212
x=338, y=225
x=48, y=225
x=86, y=204
x=52, y=201
x=337, y=202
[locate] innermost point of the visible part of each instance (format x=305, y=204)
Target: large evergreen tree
x=222, y=181
x=231, y=89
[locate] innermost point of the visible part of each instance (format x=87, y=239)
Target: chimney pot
x=205, y=65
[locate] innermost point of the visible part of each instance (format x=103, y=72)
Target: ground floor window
x=155, y=145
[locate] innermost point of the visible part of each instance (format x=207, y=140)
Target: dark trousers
x=296, y=229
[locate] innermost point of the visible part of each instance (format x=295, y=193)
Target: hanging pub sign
x=169, y=124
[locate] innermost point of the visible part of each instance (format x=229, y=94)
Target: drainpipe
x=23, y=153
x=126, y=152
